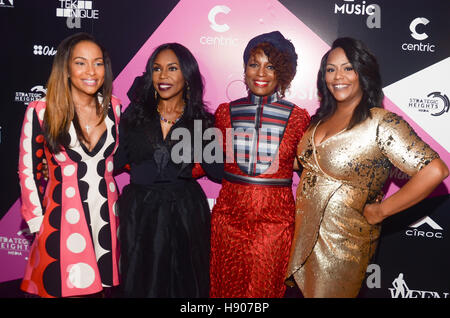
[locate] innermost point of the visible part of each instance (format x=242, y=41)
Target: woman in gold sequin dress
x=347, y=153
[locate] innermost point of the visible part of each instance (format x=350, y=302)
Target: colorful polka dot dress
x=75, y=250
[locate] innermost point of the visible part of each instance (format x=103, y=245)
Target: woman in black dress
x=164, y=215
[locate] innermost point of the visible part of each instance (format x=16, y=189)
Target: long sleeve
x=30, y=165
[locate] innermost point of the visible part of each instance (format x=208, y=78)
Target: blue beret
x=277, y=40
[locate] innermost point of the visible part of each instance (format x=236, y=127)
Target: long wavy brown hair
x=60, y=108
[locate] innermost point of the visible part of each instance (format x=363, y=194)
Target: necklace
x=87, y=127
x=170, y=122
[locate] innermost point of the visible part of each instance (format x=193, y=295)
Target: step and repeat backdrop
x=409, y=38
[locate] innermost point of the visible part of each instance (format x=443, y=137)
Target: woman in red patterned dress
x=75, y=128
x=253, y=219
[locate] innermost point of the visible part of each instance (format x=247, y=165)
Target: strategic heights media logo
x=435, y=103
x=36, y=92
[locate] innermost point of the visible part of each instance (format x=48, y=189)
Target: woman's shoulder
x=37, y=106
x=385, y=116
x=379, y=112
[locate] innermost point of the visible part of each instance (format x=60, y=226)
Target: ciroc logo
x=431, y=231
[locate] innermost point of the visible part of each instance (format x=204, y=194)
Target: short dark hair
x=285, y=66
x=366, y=66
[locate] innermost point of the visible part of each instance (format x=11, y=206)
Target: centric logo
x=416, y=35
x=212, y=18
x=413, y=28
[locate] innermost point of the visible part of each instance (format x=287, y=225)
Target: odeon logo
x=219, y=28
x=417, y=28
x=429, y=229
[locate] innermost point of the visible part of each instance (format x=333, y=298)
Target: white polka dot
x=115, y=209
x=110, y=166
x=69, y=170
x=26, y=159
x=70, y=192
x=26, y=144
x=112, y=187
x=37, y=211
x=72, y=216
x=41, y=114
x=27, y=129
x=76, y=243
x=81, y=275
x=34, y=198
x=29, y=183
x=60, y=157
x=30, y=114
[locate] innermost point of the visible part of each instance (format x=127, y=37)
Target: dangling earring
x=156, y=95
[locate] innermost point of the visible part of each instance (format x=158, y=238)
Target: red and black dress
x=253, y=220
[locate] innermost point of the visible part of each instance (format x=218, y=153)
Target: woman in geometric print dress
x=76, y=130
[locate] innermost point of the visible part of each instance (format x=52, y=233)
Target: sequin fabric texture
x=252, y=225
x=333, y=242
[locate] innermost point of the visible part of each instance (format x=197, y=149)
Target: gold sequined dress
x=333, y=242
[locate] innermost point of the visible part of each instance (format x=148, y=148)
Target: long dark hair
x=143, y=107
x=60, y=109
x=366, y=66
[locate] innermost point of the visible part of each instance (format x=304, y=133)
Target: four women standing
x=165, y=221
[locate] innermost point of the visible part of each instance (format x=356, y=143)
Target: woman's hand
x=373, y=213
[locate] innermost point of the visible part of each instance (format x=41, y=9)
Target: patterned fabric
x=75, y=249
x=258, y=127
x=252, y=225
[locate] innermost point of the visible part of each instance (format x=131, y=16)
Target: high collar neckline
x=256, y=99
